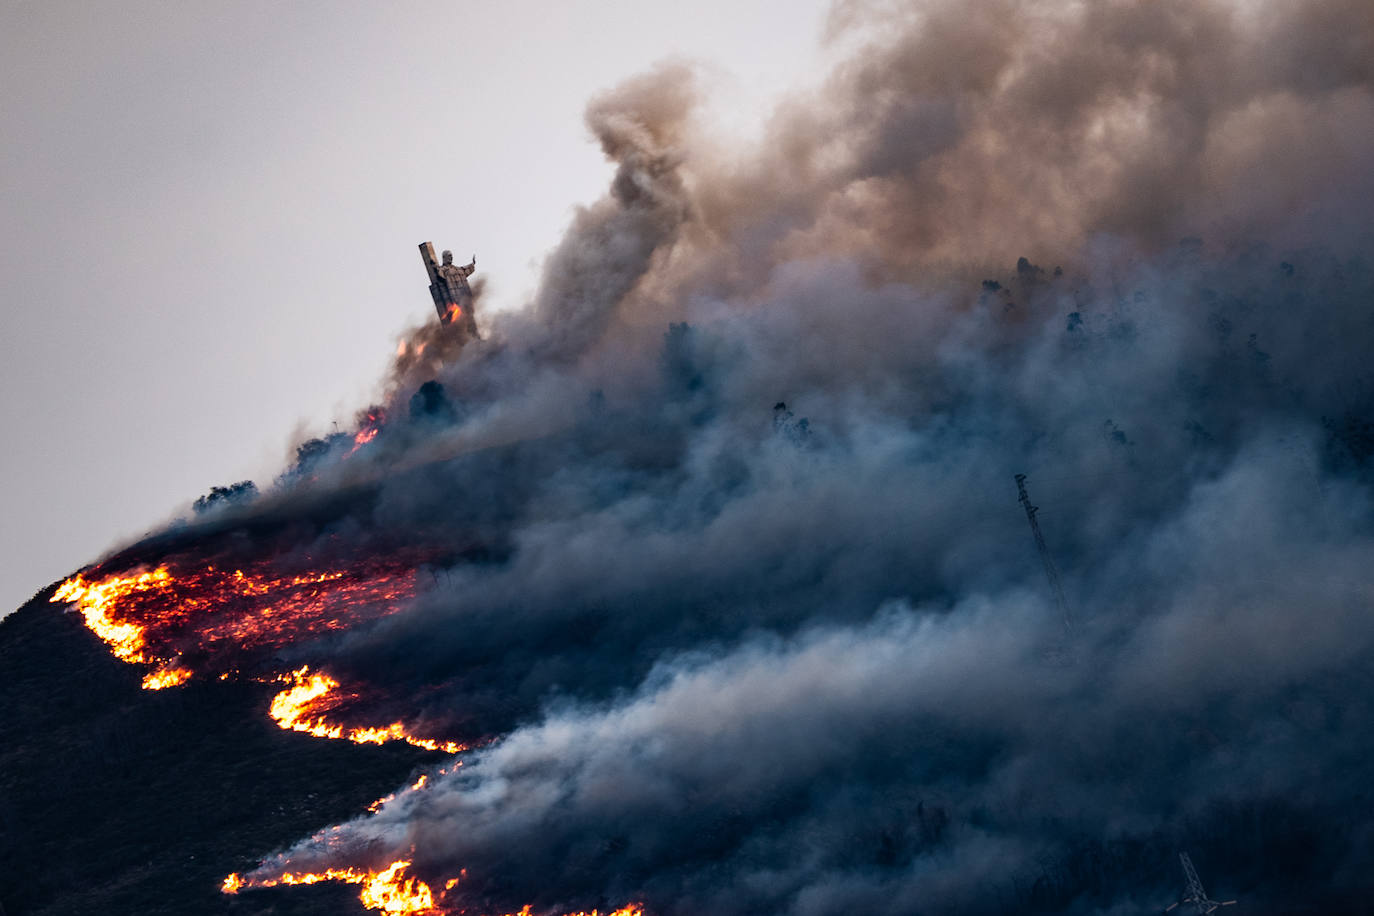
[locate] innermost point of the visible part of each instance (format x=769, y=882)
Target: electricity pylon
x=1193, y=892
x=1051, y=572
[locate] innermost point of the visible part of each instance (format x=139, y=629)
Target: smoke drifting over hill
x=756, y=624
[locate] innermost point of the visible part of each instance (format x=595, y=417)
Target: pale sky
x=211, y=213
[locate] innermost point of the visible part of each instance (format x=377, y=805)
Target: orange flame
x=187, y=619
x=151, y=617
x=97, y=602
x=391, y=891
x=416, y=786
x=166, y=676
x=298, y=708
x=370, y=423
x=388, y=890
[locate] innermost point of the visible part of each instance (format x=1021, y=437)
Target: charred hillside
x=117, y=800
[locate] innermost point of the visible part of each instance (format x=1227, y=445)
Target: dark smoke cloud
x=746, y=607
x=751, y=665
x=972, y=132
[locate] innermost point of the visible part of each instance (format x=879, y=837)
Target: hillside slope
x=116, y=800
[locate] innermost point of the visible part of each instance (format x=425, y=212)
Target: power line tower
x=1051, y=572
x=1193, y=893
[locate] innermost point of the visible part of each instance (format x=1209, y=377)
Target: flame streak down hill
x=302, y=706
x=184, y=620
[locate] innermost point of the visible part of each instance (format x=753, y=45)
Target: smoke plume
x=734, y=586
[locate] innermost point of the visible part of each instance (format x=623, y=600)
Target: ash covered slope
x=115, y=800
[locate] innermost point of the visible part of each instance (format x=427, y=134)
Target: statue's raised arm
x=456, y=276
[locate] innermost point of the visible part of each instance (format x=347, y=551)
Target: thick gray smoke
x=749, y=612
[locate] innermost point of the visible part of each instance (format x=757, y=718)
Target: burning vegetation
x=370, y=423
x=389, y=890
x=305, y=705
x=186, y=620
x=678, y=589
x=392, y=890
x=219, y=614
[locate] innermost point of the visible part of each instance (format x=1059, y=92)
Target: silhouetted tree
x=240, y=492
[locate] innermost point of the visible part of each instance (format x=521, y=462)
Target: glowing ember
x=300, y=708
x=155, y=617
x=389, y=890
x=414, y=787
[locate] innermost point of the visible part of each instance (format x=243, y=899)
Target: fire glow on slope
x=97, y=602
x=186, y=619
x=217, y=613
x=389, y=890
x=370, y=424
x=302, y=707
x=392, y=891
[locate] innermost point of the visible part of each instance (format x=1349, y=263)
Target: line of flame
x=388, y=890
x=293, y=709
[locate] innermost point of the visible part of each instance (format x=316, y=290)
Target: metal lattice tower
x=1193, y=893
x=1051, y=571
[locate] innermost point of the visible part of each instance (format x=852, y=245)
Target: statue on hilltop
x=448, y=286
